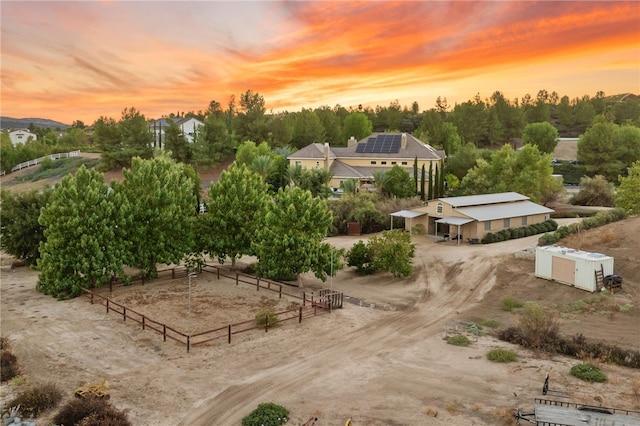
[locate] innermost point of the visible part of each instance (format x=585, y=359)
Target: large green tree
x=237, y=204
x=527, y=172
x=20, y=231
x=607, y=149
x=307, y=129
x=159, y=202
x=544, y=135
x=358, y=125
x=84, y=243
x=399, y=183
x=594, y=191
x=628, y=193
x=213, y=141
x=291, y=241
x=121, y=141
x=392, y=252
x=177, y=143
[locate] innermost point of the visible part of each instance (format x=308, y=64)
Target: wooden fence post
x=300, y=315
x=280, y=293
x=164, y=333
x=304, y=298
x=218, y=272
x=91, y=297
x=188, y=343
x=229, y=337
x=173, y=273
x=124, y=313
x=258, y=284
x=107, y=305
x=266, y=322
x=143, y=322
x=236, y=278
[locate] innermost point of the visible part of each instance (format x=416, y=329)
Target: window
x=383, y=162
x=524, y=221
x=373, y=162
x=317, y=164
x=394, y=162
x=487, y=225
x=507, y=223
x=404, y=163
x=546, y=217
x=298, y=163
x=439, y=208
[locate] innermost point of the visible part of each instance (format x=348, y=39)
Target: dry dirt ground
x=382, y=365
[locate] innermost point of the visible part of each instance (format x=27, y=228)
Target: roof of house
x=504, y=211
x=479, y=200
x=340, y=169
x=414, y=148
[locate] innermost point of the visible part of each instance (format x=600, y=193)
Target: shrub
x=47, y=163
x=359, y=257
x=37, y=399
x=509, y=303
x=501, y=355
x=267, y=315
x=491, y=323
x=588, y=373
x=459, y=340
x=538, y=328
x=90, y=411
x=267, y=414
x=8, y=365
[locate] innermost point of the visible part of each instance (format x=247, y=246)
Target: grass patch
x=490, y=323
x=510, y=303
x=90, y=411
x=588, y=373
x=37, y=399
x=54, y=168
x=267, y=315
x=501, y=355
x=459, y=340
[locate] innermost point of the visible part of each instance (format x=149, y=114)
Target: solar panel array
x=381, y=144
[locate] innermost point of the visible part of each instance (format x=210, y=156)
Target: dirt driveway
x=382, y=363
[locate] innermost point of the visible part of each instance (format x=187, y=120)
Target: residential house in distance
x=471, y=218
x=190, y=127
x=21, y=136
x=358, y=160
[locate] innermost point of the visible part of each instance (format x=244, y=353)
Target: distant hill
x=23, y=123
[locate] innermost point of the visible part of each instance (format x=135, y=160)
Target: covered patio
x=453, y=221
x=407, y=214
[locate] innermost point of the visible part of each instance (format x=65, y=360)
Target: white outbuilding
x=573, y=267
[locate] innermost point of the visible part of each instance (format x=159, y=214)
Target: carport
x=455, y=221
x=407, y=214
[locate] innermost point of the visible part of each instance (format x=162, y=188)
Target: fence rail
x=39, y=160
x=312, y=306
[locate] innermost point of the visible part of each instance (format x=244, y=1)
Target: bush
x=8, y=365
x=490, y=323
x=47, y=163
x=510, y=303
x=359, y=257
x=267, y=414
x=501, y=355
x=538, y=328
x=267, y=315
x=90, y=411
x=459, y=340
x=588, y=373
x=37, y=399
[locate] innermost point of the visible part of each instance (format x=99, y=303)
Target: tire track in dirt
x=439, y=300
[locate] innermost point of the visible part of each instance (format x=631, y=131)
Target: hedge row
x=524, y=231
x=600, y=219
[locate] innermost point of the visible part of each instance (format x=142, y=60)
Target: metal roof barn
x=573, y=267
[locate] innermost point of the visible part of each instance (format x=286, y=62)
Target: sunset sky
x=80, y=60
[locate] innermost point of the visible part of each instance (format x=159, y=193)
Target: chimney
x=403, y=144
x=351, y=142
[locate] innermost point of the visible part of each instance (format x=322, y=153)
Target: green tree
x=159, y=202
x=471, y=120
x=248, y=151
x=542, y=134
x=234, y=213
x=313, y=180
x=176, y=142
x=20, y=231
x=307, y=129
x=399, y=183
x=290, y=242
x=594, y=191
x=83, y=238
x=251, y=121
x=607, y=149
x=121, y=141
x=213, y=141
x=358, y=125
x=527, y=172
x=331, y=125
x=628, y=193
x=393, y=252
x=281, y=126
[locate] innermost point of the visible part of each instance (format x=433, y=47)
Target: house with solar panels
x=358, y=160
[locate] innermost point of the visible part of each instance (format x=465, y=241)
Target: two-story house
x=358, y=160
x=190, y=127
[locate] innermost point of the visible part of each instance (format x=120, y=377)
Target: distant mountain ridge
x=23, y=123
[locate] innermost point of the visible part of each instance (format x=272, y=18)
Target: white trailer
x=573, y=267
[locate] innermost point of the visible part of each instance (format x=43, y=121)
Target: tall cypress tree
x=430, y=193
x=415, y=172
x=422, y=179
x=436, y=184
x=441, y=181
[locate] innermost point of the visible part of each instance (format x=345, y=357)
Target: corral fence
x=311, y=306
x=467, y=328
x=39, y=160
